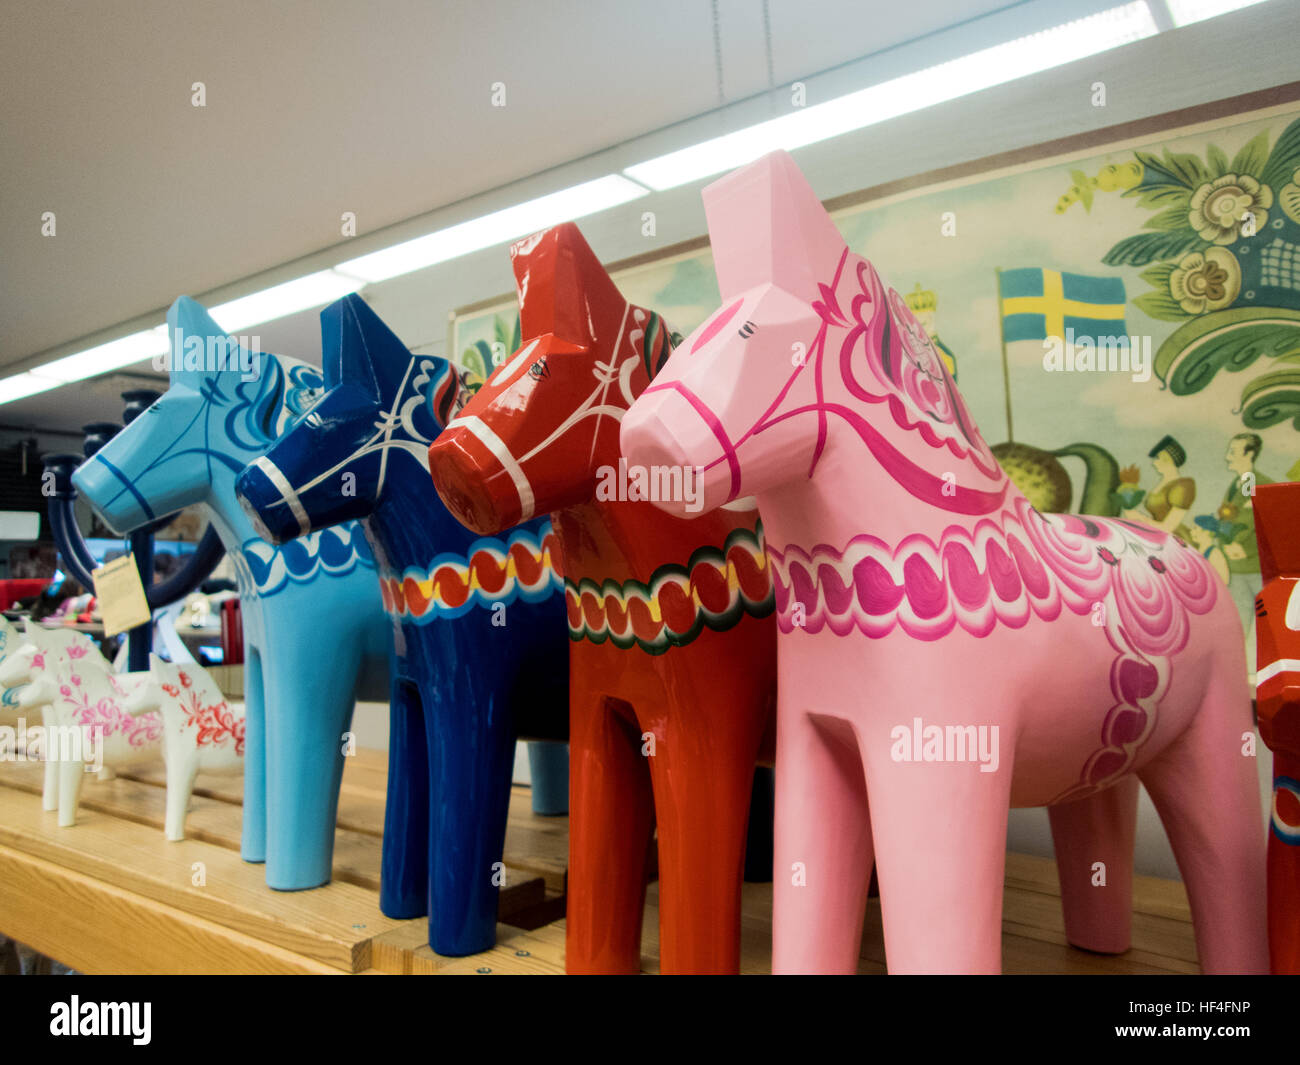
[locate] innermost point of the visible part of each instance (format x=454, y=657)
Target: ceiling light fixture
x=899, y=96
x=498, y=227
x=1186, y=12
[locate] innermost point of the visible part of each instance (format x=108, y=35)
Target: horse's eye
x=747, y=330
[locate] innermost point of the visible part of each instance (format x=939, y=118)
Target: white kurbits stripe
x=1278, y=665
x=498, y=448
x=286, y=490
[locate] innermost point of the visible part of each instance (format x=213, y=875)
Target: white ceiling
x=316, y=107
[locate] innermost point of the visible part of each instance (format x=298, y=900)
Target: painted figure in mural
x=478, y=622
x=923, y=604
x=673, y=644
x=1166, y=505
x=314, y=626
x=1236, y=533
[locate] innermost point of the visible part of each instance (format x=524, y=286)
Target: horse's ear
x=154, y=662
x=767, y=226
x=1277, y=529
x=192, y=337
x=346, y=356
x=563, y=289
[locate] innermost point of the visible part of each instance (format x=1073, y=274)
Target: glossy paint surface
x=312, y=616
x=946, y=652
x=1277, y=704
x=478, y=621
x=672, y=663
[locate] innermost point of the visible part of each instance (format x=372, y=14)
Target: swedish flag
x=1038, y=303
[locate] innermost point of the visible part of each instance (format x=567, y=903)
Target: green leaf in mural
x=1082, y=187
x=1168, y=220
x=1143, y=248
x=1217, y=160
x=1251, y=158
x=1230, y=340
x=1189, y=170
x=1285, y=158
x=1289, y=200
x=1162, y=196
x=1271, y=399
x=1157, y=276
x=505, y=330
x=1160, y=305
x=477, y=358
x=1155, y=172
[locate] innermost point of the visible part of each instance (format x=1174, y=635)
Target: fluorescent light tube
x=498, y=227
x=22, y=385
x=1185, y=12
x=125, y=351
x=313, y=290
x=899, y=96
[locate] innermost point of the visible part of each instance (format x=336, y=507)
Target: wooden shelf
x=113, y=896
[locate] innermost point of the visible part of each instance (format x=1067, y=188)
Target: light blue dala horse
x=313, y=621
x=482, y=640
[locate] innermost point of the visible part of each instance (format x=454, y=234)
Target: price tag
x=120, y=595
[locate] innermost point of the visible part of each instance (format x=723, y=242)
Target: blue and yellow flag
x=1038, y=303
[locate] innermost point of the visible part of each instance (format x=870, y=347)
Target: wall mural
x=1126, y=320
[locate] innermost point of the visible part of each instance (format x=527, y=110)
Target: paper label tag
x=122, y=603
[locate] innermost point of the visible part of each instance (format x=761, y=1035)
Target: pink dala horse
x=945, y=651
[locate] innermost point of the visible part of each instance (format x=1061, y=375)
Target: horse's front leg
x=471, y=754
x=309, y=681
x=940, y=835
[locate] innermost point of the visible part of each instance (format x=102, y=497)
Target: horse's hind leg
x=404, y=866
x=1094, y=860
x=1207, y=793
x=548, y=767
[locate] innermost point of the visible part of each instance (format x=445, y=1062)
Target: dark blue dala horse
x=479, y=623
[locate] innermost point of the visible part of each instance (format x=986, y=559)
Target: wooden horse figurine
x=672, y=659
x=1277, y=703
x=946, y=652
x=314, y=625
x=90, y=700
x=479, y=623
x=201, y=732
x=41, y=654
x=11, y=638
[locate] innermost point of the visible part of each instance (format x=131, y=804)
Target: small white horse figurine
x=11, y=638
x=35, y=669
x=201, y=731
x=89, y=700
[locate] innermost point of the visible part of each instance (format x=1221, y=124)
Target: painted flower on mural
x=1222, y=207
x=1205, y=281
x=1288, y=198
x=1220, y=248
x=1227, y=512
